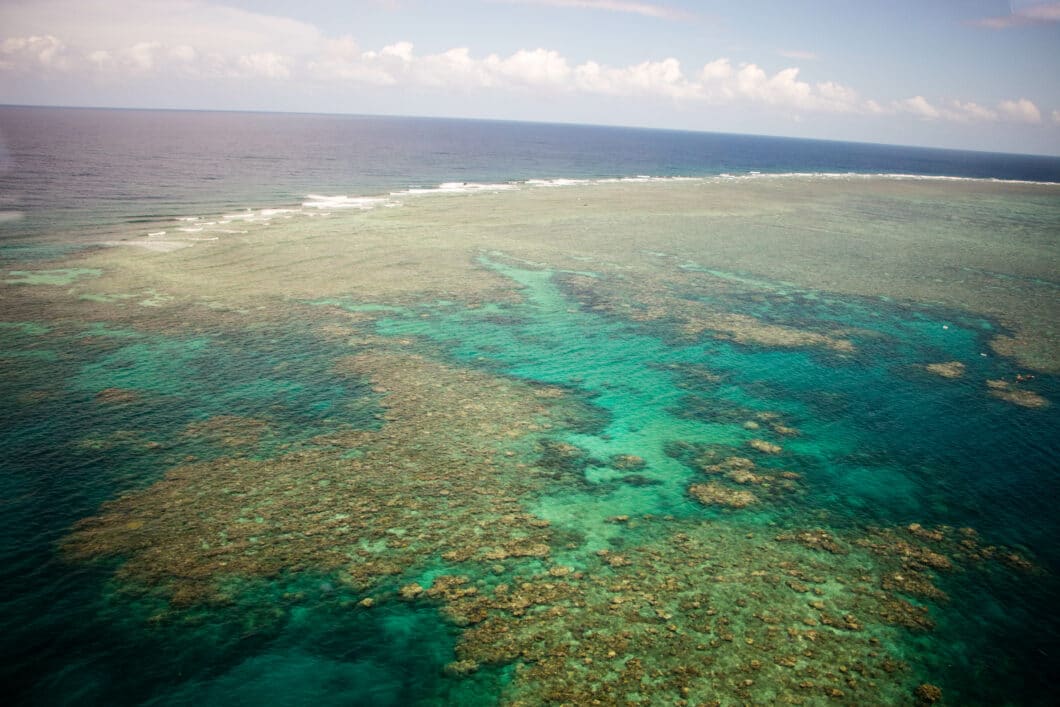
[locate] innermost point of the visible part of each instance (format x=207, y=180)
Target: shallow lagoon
x=639, y=442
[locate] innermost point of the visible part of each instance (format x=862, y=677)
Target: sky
x=971, y=74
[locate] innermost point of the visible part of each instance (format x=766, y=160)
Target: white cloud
x=100, y=58
x=184, y=53
x=33, y=53
x=1056, y=116
x=538, y=67
x=1017, y=111
x=970, y=112
x=543, y=69
x=1020, y=111
x=722, y=82
x=267, y=65
x=874, y=108
x=342, y=60
x=645, y=9
x=141, y=56
x=454, y=68
x=198, y=40
x=660, y=78
x=918, y=106
x=151, y=34
x=1024, y=13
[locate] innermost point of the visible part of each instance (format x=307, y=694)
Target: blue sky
x=978, y=74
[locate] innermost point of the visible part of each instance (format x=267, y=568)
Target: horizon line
x=262, y=111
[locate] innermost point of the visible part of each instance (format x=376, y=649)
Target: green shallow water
x=881, y=441
x=96, y=409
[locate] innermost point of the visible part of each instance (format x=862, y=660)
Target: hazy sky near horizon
x=978, y=74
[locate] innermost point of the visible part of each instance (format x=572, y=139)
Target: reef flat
x=723, y=441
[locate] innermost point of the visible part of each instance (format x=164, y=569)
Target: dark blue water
x=68, y=169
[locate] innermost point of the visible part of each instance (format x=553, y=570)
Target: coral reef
x=741, y=470
x=662, y=299
x=949, y=369
x=744, y=329
x=714, y=494
x=117, y=396
x=765, y=447
x=673, y=610
x=701, y=614
x=1004, y=390
x=228, y=430
x=433, y=470
x=627, y=462
x=927, y=694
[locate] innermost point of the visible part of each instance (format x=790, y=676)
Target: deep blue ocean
x=153, y=438
x=81, y=168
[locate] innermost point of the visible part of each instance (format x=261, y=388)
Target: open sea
x=350, y=410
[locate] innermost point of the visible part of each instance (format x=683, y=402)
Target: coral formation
x=701, y=613
x=430, y=510
x=949, y=369
x=434, y=469
x=117, y=396
x=927, y=694
x=228, y=430
x=714, y=494
x=765, y=447
x=628, y=462
x=1004, y=390
x=663, y=299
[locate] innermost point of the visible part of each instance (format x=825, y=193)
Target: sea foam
x=321, y=205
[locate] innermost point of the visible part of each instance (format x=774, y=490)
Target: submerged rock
x=814, y=539
x=460, y=668
x=628, y=462
x=927, y=694
x=1006, y=391
x=765, y=447
x=949, y=369
x=410, y=591
x=563, y=456
x=117, y=396
x=714, y=494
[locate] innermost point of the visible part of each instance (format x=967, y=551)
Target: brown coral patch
x=433, y=470
x=714, y=494
x=949, y=369
x=628, y=462
x=117, y=396
x=744, y=329
x=912, y=558
x=1004, y=390
x=228, y=430
x=695, y=616
x=816, y=540
x=659, y=299
x=765, y=447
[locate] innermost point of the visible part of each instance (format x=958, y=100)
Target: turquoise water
x=633, y=478
x=882, y=441
x=879, y=442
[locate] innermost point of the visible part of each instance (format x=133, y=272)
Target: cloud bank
x=1013, y=111
x=197, y=40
